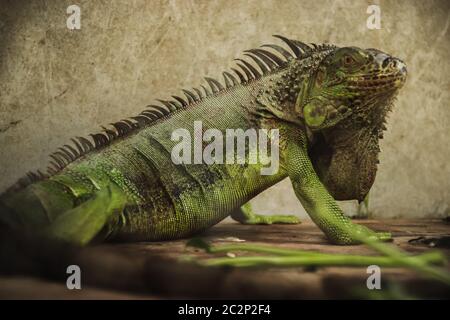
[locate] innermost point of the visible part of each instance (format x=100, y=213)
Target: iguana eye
x=348, y=60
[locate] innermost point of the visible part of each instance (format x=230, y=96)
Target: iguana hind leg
x=245, y=215
x=82, y=223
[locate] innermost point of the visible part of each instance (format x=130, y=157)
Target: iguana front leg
x=320, y=205
x=245, y=215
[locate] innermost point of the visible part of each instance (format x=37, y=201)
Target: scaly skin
x=329, y=104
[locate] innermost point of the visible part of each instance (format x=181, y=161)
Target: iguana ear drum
x=314, y=114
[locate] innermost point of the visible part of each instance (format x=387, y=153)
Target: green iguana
x=328, y=103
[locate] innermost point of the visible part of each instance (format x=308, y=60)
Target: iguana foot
x=273, y=219
x=245, y=215
x=355, y=234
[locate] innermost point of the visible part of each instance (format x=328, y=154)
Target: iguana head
x=345, y=106
x=350, y=82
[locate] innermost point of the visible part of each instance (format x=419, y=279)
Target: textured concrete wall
x=56, y=83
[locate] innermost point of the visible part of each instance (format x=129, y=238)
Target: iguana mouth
x=378, y=82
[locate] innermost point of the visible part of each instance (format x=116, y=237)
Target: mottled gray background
x=56, y=83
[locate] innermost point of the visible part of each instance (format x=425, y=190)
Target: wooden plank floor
x=151, y=269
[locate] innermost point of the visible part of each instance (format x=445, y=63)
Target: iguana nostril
x=401, y=66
